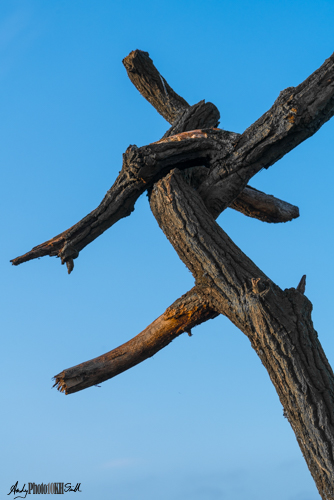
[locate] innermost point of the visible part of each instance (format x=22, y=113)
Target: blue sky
x=199, y=420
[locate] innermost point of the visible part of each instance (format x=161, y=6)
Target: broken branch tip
x=302, y=285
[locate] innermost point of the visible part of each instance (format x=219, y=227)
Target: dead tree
x=191, y=175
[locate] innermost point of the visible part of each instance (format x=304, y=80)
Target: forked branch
x=245, y=144
x=141, y=168
x=120, y=199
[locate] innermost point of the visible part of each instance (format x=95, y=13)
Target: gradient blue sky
x=201, y=419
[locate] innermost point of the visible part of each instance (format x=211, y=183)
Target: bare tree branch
x=175, y=155
x=147, y=80
x=164, y=329
x=120, y=199
x=296, y=115
x=154, y=87
x=141, y=168
x=185, y=313
x=200, y=115
x=264, y=207
x=278, y=323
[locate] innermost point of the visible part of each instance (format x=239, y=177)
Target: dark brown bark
x=156, y=336
x=181, y=136
x=200, y=115
x=296, y=115
x=147, y=79
x=278, y=324
x=162, y=331
x=120, y=199
x=264, y=207
x=141, y=168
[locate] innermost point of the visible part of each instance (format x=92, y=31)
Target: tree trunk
x=278, y=323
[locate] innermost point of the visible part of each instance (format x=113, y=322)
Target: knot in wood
x=130, y=153
x=259, y=288
x=67, y=253
x=133, y=161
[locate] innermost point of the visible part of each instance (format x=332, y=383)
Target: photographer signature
x=14, y=489
x=32, y=487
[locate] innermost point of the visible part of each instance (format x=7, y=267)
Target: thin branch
x=264, y=207
x=302, y=284
x=185, y=313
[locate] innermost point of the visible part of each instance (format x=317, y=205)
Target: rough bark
x=188, y=311
x=120, y=199
x=264, y=207
x=278, y=323
x=200, y=115
x=141, y=168
x=146, y=78
x=159, y=333
x=172, y=140
x=296, y=115
x=154, y=87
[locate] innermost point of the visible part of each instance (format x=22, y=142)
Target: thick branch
x=141, y=168
x=296, y=115
x=277, y=323
x=120, y=199
x=144, y=75
x=147, y=79
x=200, y=115
x=185, y=313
